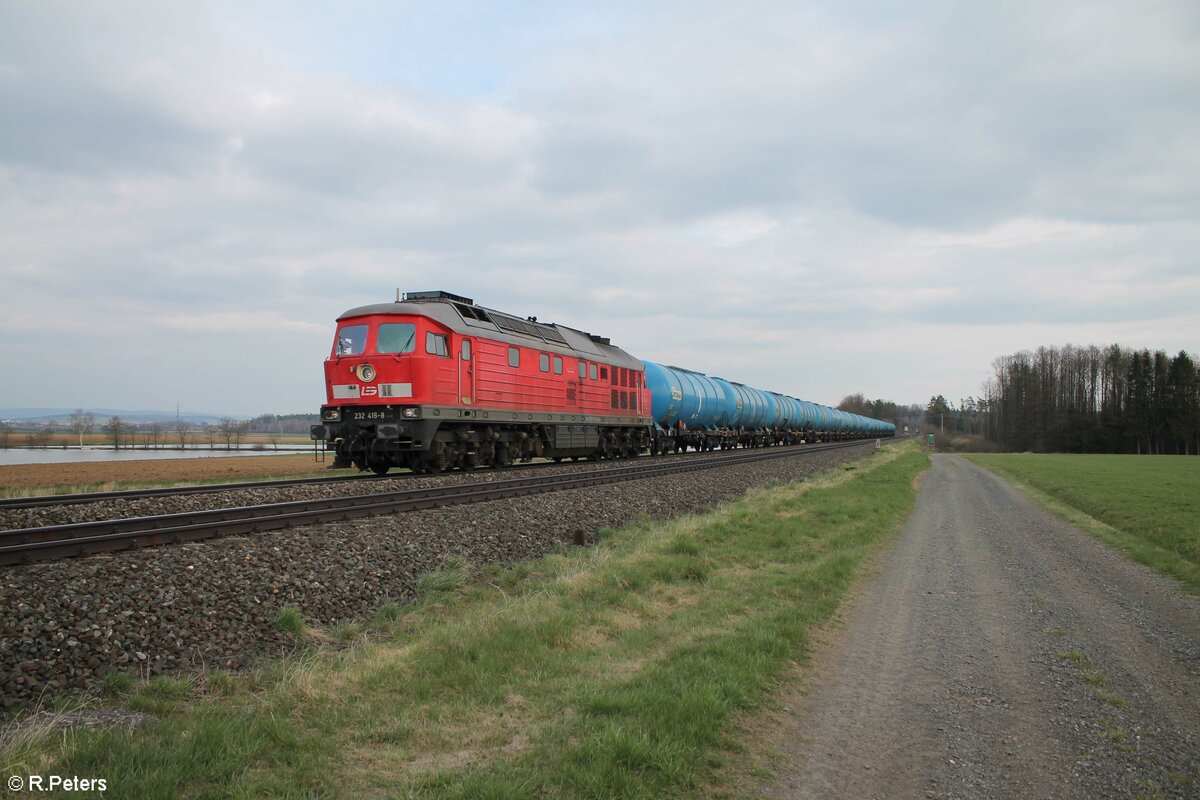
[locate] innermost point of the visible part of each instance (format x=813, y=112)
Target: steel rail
x=45, y=500
x=40, y=501
x=61, y=541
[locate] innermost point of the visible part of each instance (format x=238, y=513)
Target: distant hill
x=58, y=415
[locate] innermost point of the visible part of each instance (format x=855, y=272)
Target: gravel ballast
x=214, y=603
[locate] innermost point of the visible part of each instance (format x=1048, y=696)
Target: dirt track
x=1000, y=653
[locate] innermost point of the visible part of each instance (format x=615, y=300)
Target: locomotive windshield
x=351, y=340
x=396, y=337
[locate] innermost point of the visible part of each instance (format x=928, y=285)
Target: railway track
x=64, y=541
x=43, y=501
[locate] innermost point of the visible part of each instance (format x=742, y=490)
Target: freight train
x=435, y=382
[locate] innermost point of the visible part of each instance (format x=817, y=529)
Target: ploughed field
x=26, y=477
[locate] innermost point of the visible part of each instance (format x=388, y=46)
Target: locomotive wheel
x=437, y=459
x=468, y=462
x=501, y=459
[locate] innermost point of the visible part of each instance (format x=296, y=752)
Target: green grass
x=290, y=620
x=1146, y=506
x=614, y=671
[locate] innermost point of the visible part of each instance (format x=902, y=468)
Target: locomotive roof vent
x=439, y=296
x=472, y=312
x=600, y=339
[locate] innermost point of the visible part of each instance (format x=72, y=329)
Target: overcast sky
x=815, y=199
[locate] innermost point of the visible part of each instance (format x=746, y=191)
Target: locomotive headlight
x=412, y=412
x=331, y=414
x=366, y=373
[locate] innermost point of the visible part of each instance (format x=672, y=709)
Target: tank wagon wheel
x=557, y=459
x=380, y=467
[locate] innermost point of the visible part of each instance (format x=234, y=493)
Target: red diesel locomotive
x=434, y=382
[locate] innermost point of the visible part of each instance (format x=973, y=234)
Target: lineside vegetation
x=612, y=671
x=1147, y=507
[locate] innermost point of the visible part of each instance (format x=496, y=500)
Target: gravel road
x=999, y=653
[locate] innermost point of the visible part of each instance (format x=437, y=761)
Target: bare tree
x=156, y=433
x=82, y=422
x=239, y=430
x=115, y=430
x=182, y=429
x=227, y=428
x=6, y=429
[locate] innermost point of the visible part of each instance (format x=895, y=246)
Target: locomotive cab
x=381, y=374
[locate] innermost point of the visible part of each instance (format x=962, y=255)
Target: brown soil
x=167, y=470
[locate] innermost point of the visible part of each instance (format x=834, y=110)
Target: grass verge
x=1146, y=506
x=614, y=671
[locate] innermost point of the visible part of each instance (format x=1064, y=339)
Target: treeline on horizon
x=1095, y=400
x=884, y=410
x=154, y=435
x=1090, y=399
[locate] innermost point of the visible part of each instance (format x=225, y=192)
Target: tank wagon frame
x=693, y=410
x=434, y=381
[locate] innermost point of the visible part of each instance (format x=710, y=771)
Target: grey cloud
x=92, y=130
x=728, y=188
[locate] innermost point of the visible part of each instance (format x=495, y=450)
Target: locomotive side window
x=592, y=372
x=558, y=365
x=582, y=370
x=351, y=340
x=604, y=373
x=466, y=350
x=514, y=356
x=396, y=337
x=436, y=344
x=544, y=362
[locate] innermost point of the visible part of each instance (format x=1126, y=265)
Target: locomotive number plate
x=370, y=415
